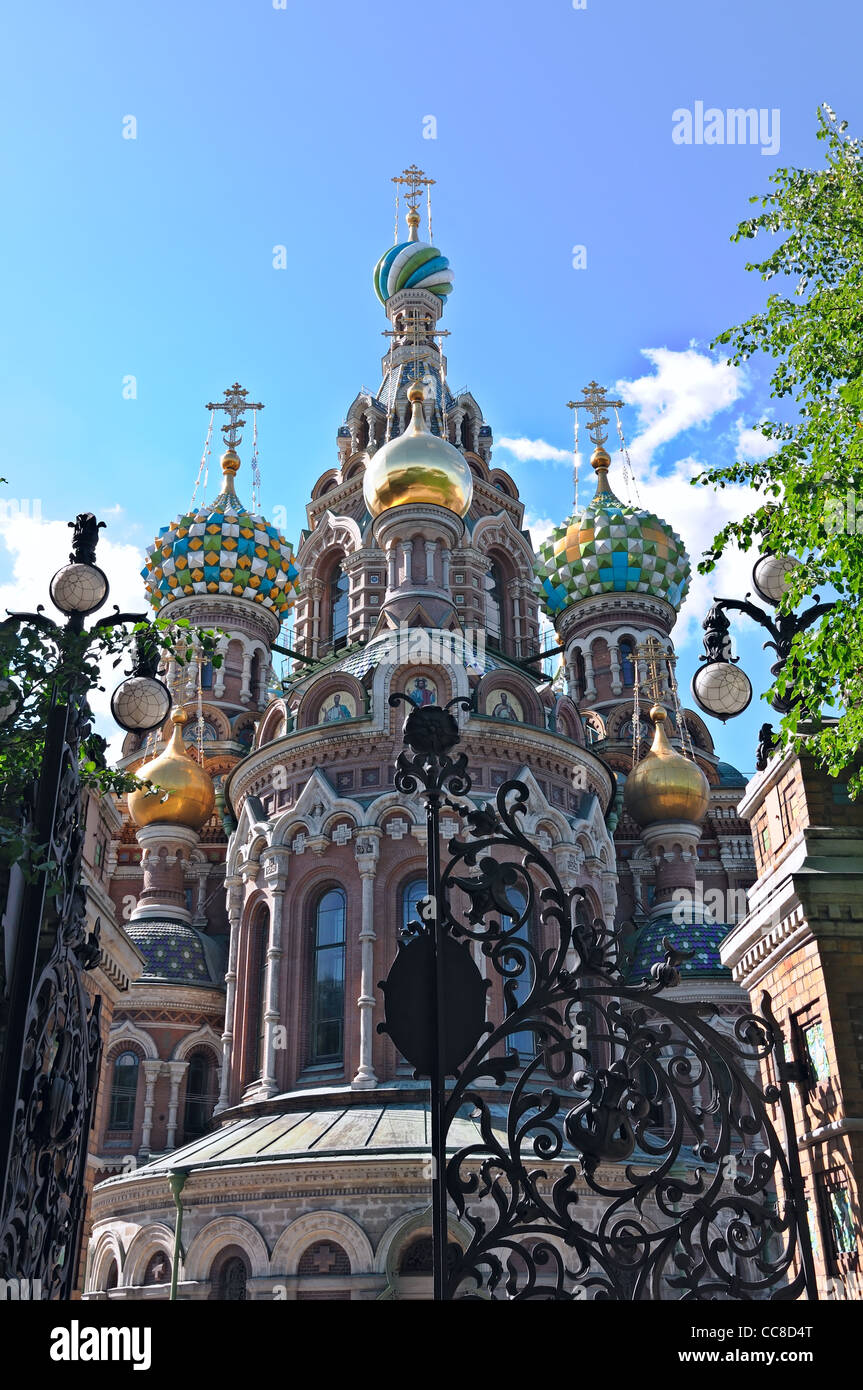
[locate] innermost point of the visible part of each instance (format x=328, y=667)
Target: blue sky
x=259, y=127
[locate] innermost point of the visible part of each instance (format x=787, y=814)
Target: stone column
x=165, y=851
x=675, y=867
x=616, y=674
x=392, y=566
x=176, y=1071
x=246, y=688
x=219, y=672
x=276, y=878
x=431, y=547
x=444, y=559
x=234, y=886
x=367, y=851
x=152, y=1071
x=407, y=548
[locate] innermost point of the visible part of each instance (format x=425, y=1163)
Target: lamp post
x=720, y=686
x=51, y=1035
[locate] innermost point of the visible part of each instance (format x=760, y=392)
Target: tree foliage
x=811, y=485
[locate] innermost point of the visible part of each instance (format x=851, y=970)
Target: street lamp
x=141, y=702
x=720, y=687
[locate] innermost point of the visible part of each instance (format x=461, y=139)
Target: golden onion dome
x=191, y=795
x=665, y=786
x=418, y=466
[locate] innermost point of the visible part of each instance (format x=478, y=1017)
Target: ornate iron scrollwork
x=51, y=1077
x=624, y=1148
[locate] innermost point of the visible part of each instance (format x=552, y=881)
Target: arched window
x=328, y=979
x=199, y=1097
x=411, y=894
x=206, y=675
x=124, y=1089
x=112, y=1276
x=466, y=431
x=158, y=1269
x=257, y=993
x=339, y=587
x=494, y=601
x=324, y=1257
x=627, y=664
x=523, y=1041
x=580, y=675
x=231, y=1285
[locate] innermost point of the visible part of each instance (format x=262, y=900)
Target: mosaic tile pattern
x=222, y=549
x=612, y=547
x=701, y=937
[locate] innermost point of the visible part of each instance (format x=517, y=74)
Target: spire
x=594, y=401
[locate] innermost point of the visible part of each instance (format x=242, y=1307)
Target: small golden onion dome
x=665, y=786
x=191, y=794
x=418, y=467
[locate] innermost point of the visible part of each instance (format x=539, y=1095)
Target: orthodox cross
x=414, y=180
x=595, y=402
x=234, y=405
x=652, y=656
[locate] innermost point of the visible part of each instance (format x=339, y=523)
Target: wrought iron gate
x=51, y=1035
x=627, y=1150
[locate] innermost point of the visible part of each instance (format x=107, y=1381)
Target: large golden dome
x=191, y=794
x=418, y=467
x=665, y=786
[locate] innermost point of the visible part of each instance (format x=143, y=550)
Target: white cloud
x=685, y=389
x=533, y=450
x=751, y=446
x=540, y=527
x=31, y=550
x=697, y=514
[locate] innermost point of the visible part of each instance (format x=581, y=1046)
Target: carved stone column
x=431, y=547
x=246, y=687
x=234, y=886
x=152, y=1071
x=176, y=1071
x=276, y=878
x=616, y=675
x=392, y=566
x=367, y=852
x=407, y=548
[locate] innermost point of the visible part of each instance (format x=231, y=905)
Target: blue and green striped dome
x=612, y=547
x=412, y=265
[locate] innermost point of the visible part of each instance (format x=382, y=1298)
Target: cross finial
x=595, y=402
x=414, y=180
x=654, y=656
x=234, y=405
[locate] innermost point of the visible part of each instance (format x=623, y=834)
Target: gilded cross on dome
x=653, y=657
x=414, y=180
x=234, y=405
x=595, y=402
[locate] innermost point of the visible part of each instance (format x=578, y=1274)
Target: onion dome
x=417, y=466
x=701, y=941
x=191, y=796
x=412, y=264
x=222, y=549
x=612, y=547
x=178, y=954
x=665, y=786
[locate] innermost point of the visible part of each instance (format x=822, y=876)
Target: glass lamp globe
x=770, y=576
x=78, y=589
x=721, y=689
x=140, y=704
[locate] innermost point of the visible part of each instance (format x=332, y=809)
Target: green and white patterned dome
x=612, y=547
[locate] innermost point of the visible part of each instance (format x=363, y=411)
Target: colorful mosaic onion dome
x=612, y=547
x=412, y=264
x=222, y=549
x=417, y=466
x=701, y=938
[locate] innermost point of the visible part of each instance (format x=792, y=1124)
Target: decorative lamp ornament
x=78, y=588
x=721, y=689
x=665, y=786
x=140, y=704
x=418, y=467
x=770, y=576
